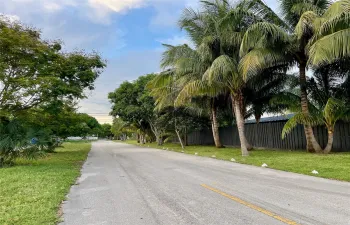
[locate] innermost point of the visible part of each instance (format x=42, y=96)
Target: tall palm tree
x=218, y=48
x=267, y=44
x=188, y=68
x=209, y=94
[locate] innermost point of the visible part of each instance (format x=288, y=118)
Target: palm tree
x=187, y=71
x=224, y=70
x=267, y=44
x=206, y=30
x=327, y=101
x=209, y=95
x=333, y=111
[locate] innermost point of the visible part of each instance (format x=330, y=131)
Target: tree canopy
x=35, y=72
x=39, y=87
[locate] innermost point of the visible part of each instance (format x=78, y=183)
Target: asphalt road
x=129, y=185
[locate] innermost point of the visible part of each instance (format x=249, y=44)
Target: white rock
x=213, y=156
x=196, y=153
x=182, y=151
x=314, y=172
x=264, y=165
x=163, y=148
x=233, y=160
x=167, y=149
x=148, y=146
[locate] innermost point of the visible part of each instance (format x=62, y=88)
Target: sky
x=128, y=34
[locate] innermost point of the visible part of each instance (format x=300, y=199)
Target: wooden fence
x=268, y=135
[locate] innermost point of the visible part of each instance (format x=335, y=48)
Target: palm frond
x=198, y=88
x=303, y=7
x=305, y=24
x=259, y=59
x=300, y=118
x=161, y=80
x=335, y=110
x=174, y=53
x=224, y=70
x=293, y=9
x=337, y=8
x=335, y=19
x=262, y=31
x=264, y=12
x=287, y=100
x=330, y=48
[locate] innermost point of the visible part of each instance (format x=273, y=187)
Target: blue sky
x=127, y=33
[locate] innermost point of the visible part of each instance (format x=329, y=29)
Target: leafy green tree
x=121, y=129
x=34, y=72
x=37, y=80
x=106, y=131
x=85, y=125
x=133, y=104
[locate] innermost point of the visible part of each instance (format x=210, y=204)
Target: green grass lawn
x=31, y=191
x=333, y=166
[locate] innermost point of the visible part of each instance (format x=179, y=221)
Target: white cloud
x=116, y=5
x=10, y=18
x=52, y=6
x=164, y=14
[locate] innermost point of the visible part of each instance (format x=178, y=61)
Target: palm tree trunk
x=311, y=142
x=240, y=125
x=141, y=139
x=159, y=140
x=178, y=134
x=328, y=148
x=179, y=137
x=185, y=140
x=249, y=146
x=215, y=127
x=243, y=110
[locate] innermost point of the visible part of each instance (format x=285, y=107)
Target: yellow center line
x=252, y=206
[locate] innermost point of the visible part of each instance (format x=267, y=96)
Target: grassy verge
x=333, y=166
x=32, y=191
